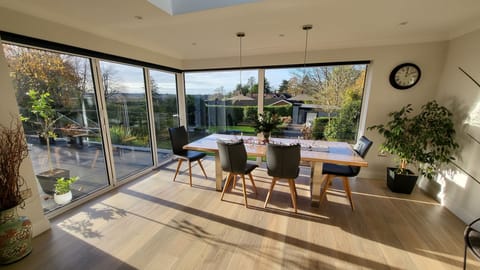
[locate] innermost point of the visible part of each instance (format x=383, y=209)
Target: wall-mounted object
x=405, y=76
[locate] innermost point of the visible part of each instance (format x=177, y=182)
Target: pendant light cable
x=240, y=35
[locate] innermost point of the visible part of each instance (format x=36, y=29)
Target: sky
x=196, y=83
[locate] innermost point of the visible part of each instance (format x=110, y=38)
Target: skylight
x=176, y=7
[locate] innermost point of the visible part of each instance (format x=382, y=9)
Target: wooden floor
x=154, y=223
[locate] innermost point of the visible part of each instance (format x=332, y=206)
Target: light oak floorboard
x=155, y=223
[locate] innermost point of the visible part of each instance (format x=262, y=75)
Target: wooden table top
x=315, y=151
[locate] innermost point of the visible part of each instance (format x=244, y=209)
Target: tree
x=46, y=72
x=283, y=86
x=345, y=125
x=111, y=84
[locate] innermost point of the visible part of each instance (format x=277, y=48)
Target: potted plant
x=43, y=109
x=15, y=231
x=426, y=140
x=265, y=123
x=63, y=193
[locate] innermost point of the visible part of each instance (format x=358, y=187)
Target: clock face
x=405, y=76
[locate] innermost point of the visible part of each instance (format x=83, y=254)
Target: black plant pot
x=401, y=183
x=43, y=141
x=48, y=179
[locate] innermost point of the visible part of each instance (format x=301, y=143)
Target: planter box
x=48, y=179
x=401, y=183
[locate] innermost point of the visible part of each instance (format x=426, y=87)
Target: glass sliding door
x=64, y=83
x=165, y=109
x=125, y=96
x=217, y=102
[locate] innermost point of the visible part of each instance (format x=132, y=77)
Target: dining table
x=314, y=152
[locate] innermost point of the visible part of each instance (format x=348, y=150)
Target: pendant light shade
x=306, y=28
x=240, y=35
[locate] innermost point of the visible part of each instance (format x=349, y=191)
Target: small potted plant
x=265, y=123
x=63, y=193
x=426, y=140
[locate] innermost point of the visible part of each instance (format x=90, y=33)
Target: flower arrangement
x=307, y=131
x=266, y=122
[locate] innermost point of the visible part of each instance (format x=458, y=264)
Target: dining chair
x=233, y=159
x=179, y=138
x=283, y=162
x=330, y=171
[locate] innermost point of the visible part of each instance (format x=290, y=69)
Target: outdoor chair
x=472, y=241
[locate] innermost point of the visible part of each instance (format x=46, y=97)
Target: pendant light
x=240, y=35
x=306, y=28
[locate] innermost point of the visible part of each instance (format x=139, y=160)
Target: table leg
x=316, y=183
x=218, y=173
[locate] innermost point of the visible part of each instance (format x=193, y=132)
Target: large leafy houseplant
x=425, y=140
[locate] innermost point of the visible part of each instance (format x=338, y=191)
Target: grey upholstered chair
x=283, y=163
x=330, y=171
x=233, y=158
x=179, y=138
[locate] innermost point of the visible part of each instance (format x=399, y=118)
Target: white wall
x=8, y=108
x=462, y=96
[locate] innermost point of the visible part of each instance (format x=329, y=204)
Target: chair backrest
x=178, y=138
x=283, y=160
x=233, y=156
x=361, y=147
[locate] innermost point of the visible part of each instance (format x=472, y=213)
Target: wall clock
x=405, y=76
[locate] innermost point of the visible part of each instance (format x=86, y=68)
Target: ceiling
x=271, y=26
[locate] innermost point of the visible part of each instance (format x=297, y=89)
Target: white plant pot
x=63, y=198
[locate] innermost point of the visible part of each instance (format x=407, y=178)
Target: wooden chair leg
x=291, y=183
x=190, y=171
x=274, y=180
x=227, y=183
x=178, y=168
x=325, y=187
x=203, y=170
x=253, y=183
x=244, y=190
x=346, y=186
x=234, y=184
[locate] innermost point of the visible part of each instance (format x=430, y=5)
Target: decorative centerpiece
x=266, y=123
x=15, y=231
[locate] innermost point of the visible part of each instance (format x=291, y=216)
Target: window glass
x=325, y=101
x=55, y=95
x=125, y=96
x=218, y=103
x=164, y=96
